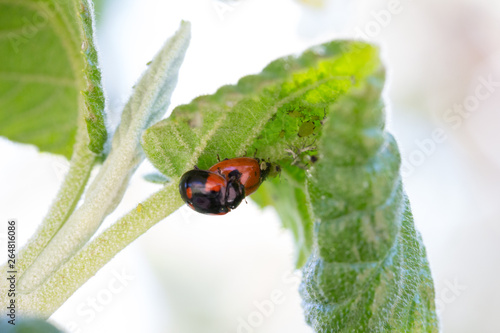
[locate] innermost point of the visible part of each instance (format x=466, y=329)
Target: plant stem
x=81, y=164
x=147, y=104
x=83, y=265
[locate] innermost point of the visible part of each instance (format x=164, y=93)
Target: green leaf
x=41, y=75
x=64, y=264
x=82, y=158
x=320, y=117
x=147, y=104
x=368, y=271
x=276, y=115
x=93, y=94
x=287, y=195
x=262, y=114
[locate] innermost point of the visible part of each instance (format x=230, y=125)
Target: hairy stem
x=66, y=263
x=82, y=266
x=148, y=103
x=81, y=164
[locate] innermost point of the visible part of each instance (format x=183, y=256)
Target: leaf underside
x=265, y=115
x=368, y=271
x=320, y=117
x=276, y=115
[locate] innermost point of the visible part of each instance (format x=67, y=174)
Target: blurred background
x=192, y=273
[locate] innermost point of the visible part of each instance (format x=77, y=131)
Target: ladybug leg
x=196, y=167
x=218, y=158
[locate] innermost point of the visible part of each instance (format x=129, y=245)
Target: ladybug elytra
x=209, y=193
x=246, y=169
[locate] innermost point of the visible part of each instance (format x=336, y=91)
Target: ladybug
x=211, y=193
x=247, y=170
x=223, y=187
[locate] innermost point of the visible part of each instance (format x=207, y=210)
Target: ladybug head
x=235, y=193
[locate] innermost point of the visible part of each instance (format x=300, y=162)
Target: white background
x=193, y=273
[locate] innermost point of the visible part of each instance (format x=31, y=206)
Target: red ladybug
x=209, y=192
x=223, y=186
x=247, y=170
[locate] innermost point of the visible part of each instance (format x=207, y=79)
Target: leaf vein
x=38, y=78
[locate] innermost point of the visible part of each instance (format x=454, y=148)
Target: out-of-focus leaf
x=41, y=75
x=25, y=325
x=286, y=194
x=313, y=3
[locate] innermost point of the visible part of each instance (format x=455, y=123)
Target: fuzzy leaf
x=41, y=75
x=287, y=195
x=368, y=271
x=147, y=104
x=277, y=115
x=263, y=113
x=93, y=94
